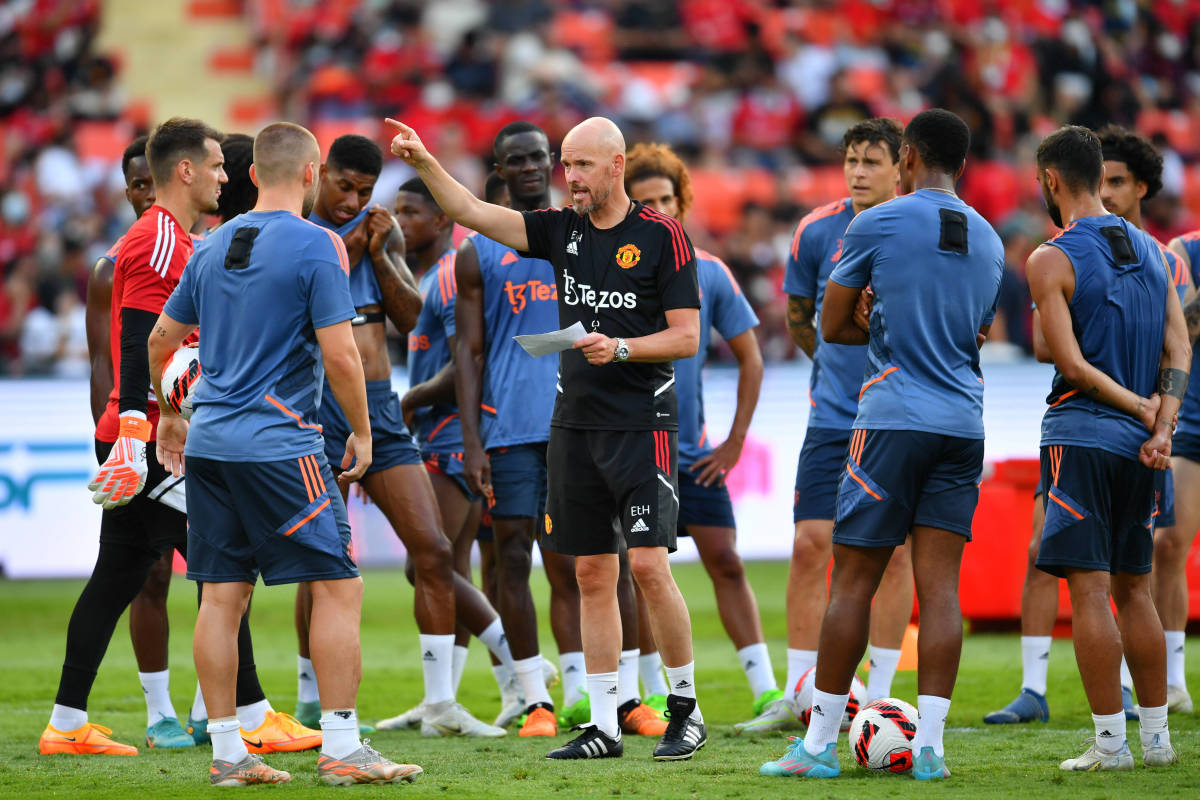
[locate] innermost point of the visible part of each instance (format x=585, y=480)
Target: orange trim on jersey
x=1064, y=230
x=819, y=213
x=724, y=268
x=1066, y=396
x=488, y=409
x=440, y=425
x=876, y=380
x=861, y=483
x=703, y=436
x=811, y=402
x=304, y=521
x=338, y=245
x=307, y=480
x=1074, y=513
x=292, y=414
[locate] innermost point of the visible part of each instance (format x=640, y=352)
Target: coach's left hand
x=597, y=348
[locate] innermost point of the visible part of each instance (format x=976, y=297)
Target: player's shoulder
x=823, y=220
x=447, y=282
x=713, y=270
x=315, y=241
x=114, y=251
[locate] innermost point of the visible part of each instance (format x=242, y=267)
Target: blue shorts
x=1164, y=498
x=285, y=519
x=449, y=465
x=895, y=480
x=1099, y=512
x=485, y=533
x=822, y=463
x=1186, y=445
x=708, y=506
x=519, y=481
x=391, y=442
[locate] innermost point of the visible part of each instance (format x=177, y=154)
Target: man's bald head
x=282, y=152
x=596, y=134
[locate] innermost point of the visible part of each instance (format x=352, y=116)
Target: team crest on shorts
x=628, y=256
x=549, y=525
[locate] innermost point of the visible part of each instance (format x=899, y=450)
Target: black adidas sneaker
x=684, y=736
x=592, y=743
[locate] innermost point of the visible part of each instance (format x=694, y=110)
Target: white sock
x=602, y=692
x=502, y=674
x=1035, y=662
x=799, y=662
x=494, y=640
x=883, y=669
x=573, y=670
x=627, y=677
x=227, y=741
x=1126, y=677
x=682, y=681
x=65, y=718
x=826, y=721
x=339, y=731
x=533, y=684
x=931, y=723
x=1110, y=731
x=1153, y=722
x=650, y=667
x=156, y=686
x=437, y=665
x=756, y=663
x=254, y=715
x=199, y=710
x=306, y=681
x=1175, y=659
x=458, y=660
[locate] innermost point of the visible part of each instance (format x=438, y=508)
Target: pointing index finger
x=398, y=125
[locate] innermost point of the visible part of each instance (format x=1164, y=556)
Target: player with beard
x=1117, y=335
x=185, y=161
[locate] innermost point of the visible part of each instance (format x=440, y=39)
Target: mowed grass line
x=985, y=760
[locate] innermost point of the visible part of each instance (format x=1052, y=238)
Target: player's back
x=1189, y=412
x=935, y=266
x=722, y=305
x=260, y=286
x=1118, y=311
x=520, y=297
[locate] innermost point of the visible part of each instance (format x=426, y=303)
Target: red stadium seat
x=102, y=141
x=210, y=9
x=232, y=59
x=586, y=33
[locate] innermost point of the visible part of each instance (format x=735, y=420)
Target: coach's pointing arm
x=456, y=201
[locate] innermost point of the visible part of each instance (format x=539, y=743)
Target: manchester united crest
x=549, y=525
x=628, y=256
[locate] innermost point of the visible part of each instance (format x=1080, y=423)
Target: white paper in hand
x=540, y=344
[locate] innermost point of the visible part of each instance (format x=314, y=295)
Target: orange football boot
x=540, y=722
x=89, y=740
x=281, y=733
x=642, y=720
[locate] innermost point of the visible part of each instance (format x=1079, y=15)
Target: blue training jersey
x=364, y=286
x=262, y=366
x=724, y=307
x=935, y=265
x=1189, y=412
x=1118, y=312
x=437, y=426
x=519, y=297
x=837, y=371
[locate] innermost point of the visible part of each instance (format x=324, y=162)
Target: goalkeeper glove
x=123, y=475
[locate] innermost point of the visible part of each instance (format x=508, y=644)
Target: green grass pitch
x=986, y=761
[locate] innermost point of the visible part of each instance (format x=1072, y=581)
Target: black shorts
x=704, y=506
x=1186, y=445
x=144, y=521
x=599, y=480
x=818, y=472
x=1099, y=512
x=391, y=442
x=893, y=481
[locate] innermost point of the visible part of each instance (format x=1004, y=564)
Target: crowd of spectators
x=754, y=93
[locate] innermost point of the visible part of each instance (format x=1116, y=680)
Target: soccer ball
x=804, y=697
x=180, y=377
x=882, y=733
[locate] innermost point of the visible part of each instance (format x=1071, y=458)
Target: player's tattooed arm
x=1191, y=315
x=801, y=312
x=385, y=244
x=1173, y=382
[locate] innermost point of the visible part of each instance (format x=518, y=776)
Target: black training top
x=620, y=282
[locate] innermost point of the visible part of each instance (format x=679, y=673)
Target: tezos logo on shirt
x=575, y=293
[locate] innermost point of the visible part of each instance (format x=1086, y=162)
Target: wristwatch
x=622, y=351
